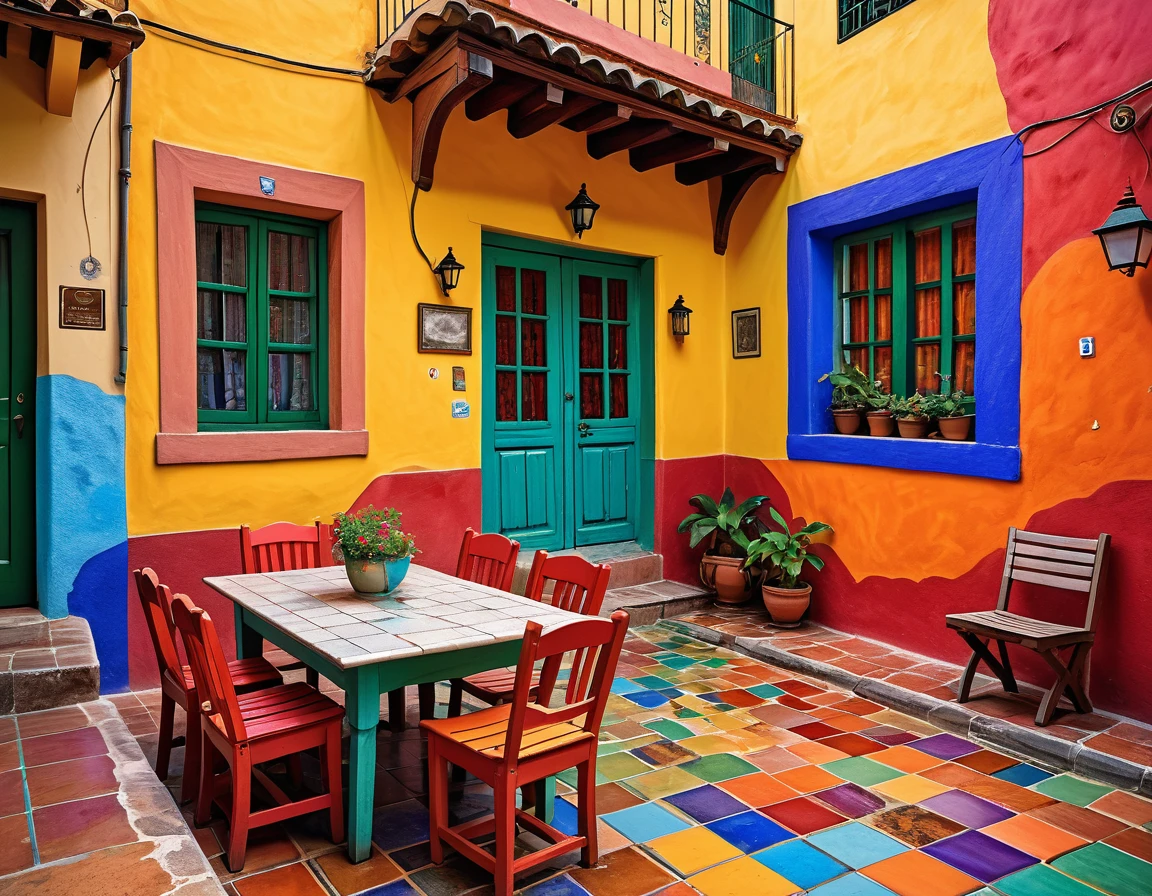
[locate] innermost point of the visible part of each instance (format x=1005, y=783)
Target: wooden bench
x=1072, y=564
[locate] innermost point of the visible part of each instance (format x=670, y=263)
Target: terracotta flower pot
x=847, y=420
x=786, y=605
x=724, y=575
x=881, y=423
x=913, y=427
x=955, y=428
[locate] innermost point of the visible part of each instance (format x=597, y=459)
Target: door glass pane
x=591, y=297
x=858, y=267
x=222, y=253
x=220, y=379
x=289, y=320
x=927, y=270
x=533, y=387
x=506, y=342
x=617, y=347
x=289, y=261
x=532, y=343
x=883, y=371
x=221, y=315
x=505, y=288
x=505, y=395
x=618, y=398
x=964, y=247
x=883, y=318
x=858, y=319
x=290, y=381
x=618, y=300
x=591, y=395
x=928, y=311
x=591, y=345
x=532, y=292
x=884, y=263
x=964, y=307
x=927, y=365
x=964, y=367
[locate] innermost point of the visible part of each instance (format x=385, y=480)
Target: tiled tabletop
x=431, y=612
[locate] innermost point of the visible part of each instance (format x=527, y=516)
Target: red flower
x=363, y=540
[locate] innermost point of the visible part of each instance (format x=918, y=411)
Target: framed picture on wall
x=444, y=329
x=746, y=333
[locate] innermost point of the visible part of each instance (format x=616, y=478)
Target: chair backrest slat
x=1061, y=555
x=1056, y=561
x=1059, y=541
x=209, y=666
x=577, y=585
x=1039, y=578
x=156, y=600
x=488, y=559
x=284, y=546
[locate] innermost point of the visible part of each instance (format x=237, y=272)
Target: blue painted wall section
x=992, y=175
x=81, y=515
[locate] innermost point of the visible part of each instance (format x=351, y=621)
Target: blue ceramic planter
x=375, y=577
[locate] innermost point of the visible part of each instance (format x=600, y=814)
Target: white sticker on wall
x=433, y=373
x=460, y=409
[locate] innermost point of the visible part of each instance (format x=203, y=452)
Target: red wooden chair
x=577, y=586
x=177, y=685
x=525, y=741
x=250, y=729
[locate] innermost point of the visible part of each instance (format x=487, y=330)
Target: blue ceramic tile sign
x=460, y=409
x=268, y=186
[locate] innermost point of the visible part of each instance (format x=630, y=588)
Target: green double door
x=564, y=392
x=17, y=404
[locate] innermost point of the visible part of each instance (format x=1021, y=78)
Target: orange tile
x=848, y=723
x=808, y=779
x=758, y=790
x=906, y=759
x=348, y=878
x=1034, y=837
x=986, y=761
x=291, y=880
x=15, y=844
x=741, y=877
x=816, y=753
x=914, y=873
x=1125, y=806
x=952, y=774
x=74, y=780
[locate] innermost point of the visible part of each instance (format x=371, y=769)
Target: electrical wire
x=1083, y=113
x=412, y=224
x=84, y=169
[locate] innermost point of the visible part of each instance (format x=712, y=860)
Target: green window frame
x=856, y=15
x=899, y=342
x=259, y=300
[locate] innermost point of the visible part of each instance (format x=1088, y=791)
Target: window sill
x=930, y=455
x=235, y=447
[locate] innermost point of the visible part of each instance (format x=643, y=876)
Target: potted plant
x=950, y=417
x=783, y=555
x=879, y=415
x=375, y=551
x=911, y=418
x=726, y=524
x=850, y=389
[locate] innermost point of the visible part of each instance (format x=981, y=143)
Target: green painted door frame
x=17, y=404
x=554, y=478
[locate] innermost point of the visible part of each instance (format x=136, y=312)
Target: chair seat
x=485, y=731
x=1013, y=627
x=283, y=708
x=245, y=673
x=497, y=683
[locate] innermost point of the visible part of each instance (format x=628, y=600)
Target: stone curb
x=1028, y=743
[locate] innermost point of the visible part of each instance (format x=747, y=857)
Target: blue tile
x=750, y=831
x=670, y=693
x=647, y=699
x=645, y=822
x=557, y=886
x=852, y=885
x=767, y=691
x=564, y=818
x=857, y=845
x=1023, y=774
x=401, y=824
x=801, y=863
x=706, y=803
x=396, y=888
x=622, y=686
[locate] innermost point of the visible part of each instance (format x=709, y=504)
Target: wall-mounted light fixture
x=679, y=313
x=1126, y=236
x=448, y=272
x=583, y=211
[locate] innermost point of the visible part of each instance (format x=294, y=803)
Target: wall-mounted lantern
x=448, y=272
x=679, y=313
x=1126, y=236
x=583, y=211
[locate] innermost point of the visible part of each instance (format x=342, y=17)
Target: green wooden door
x=751, y=49
x=17, y=404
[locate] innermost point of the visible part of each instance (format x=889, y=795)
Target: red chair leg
x=193, y=744
x=437, y=799
x=207, y=788
x=332, y=763
x=241, y=809
x=504, y=794
x=586, y=810
x=164, y=745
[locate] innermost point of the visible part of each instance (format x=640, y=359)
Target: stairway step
x=631, y=564
x=45, y=663
x=647, y=604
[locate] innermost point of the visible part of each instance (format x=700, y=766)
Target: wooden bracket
x=733, y=188
x=62, y=74
x=442, y=84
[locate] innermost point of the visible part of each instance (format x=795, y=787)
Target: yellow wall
x=484, y=180
x=41, y=158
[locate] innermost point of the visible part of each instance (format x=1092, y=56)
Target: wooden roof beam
x=523, y=123
x=634, y=133
x=599, y=118
x=678, y=148
x=506, y=88
x=700, y=170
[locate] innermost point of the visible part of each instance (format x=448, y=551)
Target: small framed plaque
x=444, y=329
x=81, y=308
x=746, y=333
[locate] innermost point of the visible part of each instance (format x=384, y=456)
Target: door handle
x=585, y=430
x=19, y=421
x=568, y=396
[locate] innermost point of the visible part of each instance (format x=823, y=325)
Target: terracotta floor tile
x=9, y=756
x=821, y=653
x=1035, y=837
x=11, y=792
x=986, y=762
x=758, y=790
x=913, y=873
x=848, y=722
x=1134, y=733
x=74, y=780
x=913, y=682
x=780, y=716
x=852, y=744
x=625, y=872
x=952, y=774
x=775, y=759
x=906, y=759
x=911, y=788
x=1125, y=749
x=816, y=753
x=914, y=825
x=808, y=779
x=855, y=665
x=268, y=847
x=7, y=729
x=1134, y=841
x=347, y=878
x=72, y=829
x=291, y=880
x=794, y=702
x=860, y=647
x=799, y=688
x=1081, y=822
x=15, y=844
x=1005, y=793
x=1125, y=806
x=815, y=730
x=52, y=721
x=613, y=797
x=67, y=745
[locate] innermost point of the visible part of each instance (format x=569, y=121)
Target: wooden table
x=432, y=628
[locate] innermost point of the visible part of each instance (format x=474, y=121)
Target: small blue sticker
x=460, y=409
x=268, y=186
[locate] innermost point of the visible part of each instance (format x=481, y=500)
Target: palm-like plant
x=783, y=554
x=726, y=518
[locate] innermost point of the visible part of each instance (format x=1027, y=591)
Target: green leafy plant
x=911, y=406
x=944, y=405
x=783, y=554
x=727, y=519
x=879, y=400
x=372, y=535
x=850, y=388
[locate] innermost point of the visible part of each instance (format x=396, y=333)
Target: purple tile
x=706, y=803
x=851, y=800
x=969, y=810
x=945, y=746
x=979, y=855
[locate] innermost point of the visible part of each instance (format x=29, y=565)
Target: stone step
x=631, y=564
x=648, y=603
x=45, y=663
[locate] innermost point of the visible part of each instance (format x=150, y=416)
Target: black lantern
x=679, y=313
x=1126, y=236
x=448, y=272
x=583, y=211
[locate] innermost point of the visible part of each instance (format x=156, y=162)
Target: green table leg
x=363, y=707
x=546, y=799
x=249, y=642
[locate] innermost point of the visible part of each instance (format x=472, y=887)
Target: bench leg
x=1010, y=683
x=980, y=652
x=396, y=701
x=427, y=691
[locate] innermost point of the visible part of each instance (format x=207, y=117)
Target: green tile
x=719, y=767
x=651, y=682
x=767, y=691
x=1072, y=790
x=1108, y=869
x=668, y=728
x=570, y=777
x=684, y=712
x=678, y=662
x=715, y=663
x=861, y=770
x=1041, y=880
x=620, y=765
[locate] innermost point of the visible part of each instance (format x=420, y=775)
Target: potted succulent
x=783, y=555
x=950, y=417
x=911, y=418
x=850, y=390
x=726, y=525
x=375, y=551
x=879, y=415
